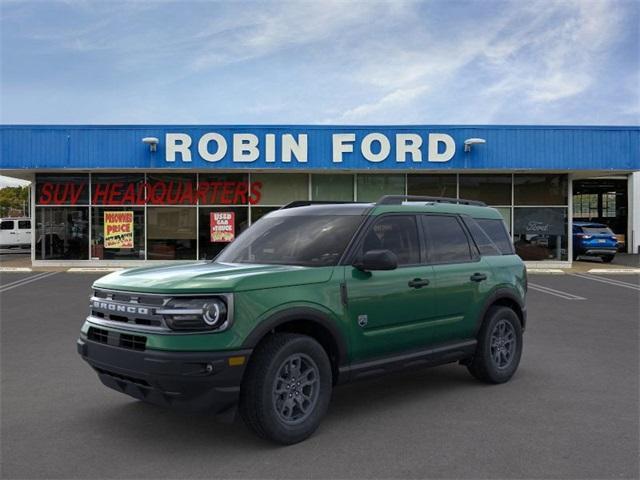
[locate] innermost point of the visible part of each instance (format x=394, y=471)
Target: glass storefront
x=188, y=216
x=132, y=250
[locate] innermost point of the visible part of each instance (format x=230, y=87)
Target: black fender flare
x=496, y=296
x=299, y=313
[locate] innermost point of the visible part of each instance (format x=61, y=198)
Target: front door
x=390, y=311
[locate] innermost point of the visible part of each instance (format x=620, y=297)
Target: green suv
x=310, y=296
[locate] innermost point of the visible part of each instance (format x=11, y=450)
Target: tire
x=268, y=402
x=608, y=258
x=489, y=365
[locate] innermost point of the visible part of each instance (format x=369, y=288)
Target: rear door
x=24, y=232
x=461, y=276
x=390, y=311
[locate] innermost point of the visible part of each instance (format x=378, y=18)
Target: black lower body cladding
x=185, y=380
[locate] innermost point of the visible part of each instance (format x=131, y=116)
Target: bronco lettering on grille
x=117, y=307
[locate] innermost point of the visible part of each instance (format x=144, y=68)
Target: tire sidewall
x=274, y=427
x=496, y=374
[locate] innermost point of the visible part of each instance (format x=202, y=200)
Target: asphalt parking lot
x=571, y=411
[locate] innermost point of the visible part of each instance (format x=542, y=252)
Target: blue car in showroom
x=594, y=239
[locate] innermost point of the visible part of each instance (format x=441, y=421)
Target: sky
x=320, y=62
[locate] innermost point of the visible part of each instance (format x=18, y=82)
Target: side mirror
x=377, y=260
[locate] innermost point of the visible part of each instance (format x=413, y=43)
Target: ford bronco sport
x=311, y=296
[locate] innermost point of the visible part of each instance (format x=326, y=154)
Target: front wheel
x=499, y=346
x=608, y=258
x=287, y=388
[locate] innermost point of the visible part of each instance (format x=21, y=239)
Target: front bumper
x=187, y=380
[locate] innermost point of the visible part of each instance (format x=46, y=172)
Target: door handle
x=418, y=283
x=478, y=277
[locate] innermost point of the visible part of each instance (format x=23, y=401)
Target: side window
x=497, y=232
x=24, y=224
x=481, y=239
x=6, y=225
x=446, y=239
x=397, y=233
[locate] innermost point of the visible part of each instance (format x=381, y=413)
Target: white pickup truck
x=15, y=232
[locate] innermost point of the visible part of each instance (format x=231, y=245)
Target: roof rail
x=306, y=203
x=398, y=199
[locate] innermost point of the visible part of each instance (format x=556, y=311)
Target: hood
x=212, y=278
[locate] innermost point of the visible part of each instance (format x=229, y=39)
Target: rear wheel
x=608, y=258
x=287, y=388
x=499, y=346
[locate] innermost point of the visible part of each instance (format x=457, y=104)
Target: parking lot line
x=554, y=292
x=608, y=281
x=24, y=281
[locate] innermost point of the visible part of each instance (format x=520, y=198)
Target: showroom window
x=540, y=233
x=332, y=187
x=117, y=189
x=278, y=189
x=219, y=226
x=62, y=189
x=117, y=233
x=171, y=233
x=62, y=233
x=176, y=222
x=541, y=189
x=433, y=185
x=227, y=189
x=373, y=186
x=491, y=189
x=171, y=189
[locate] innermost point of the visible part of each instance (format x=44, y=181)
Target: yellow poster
x=118, y=229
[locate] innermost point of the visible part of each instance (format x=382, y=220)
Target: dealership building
x=122, y=195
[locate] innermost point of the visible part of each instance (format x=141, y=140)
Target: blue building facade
x=179, y=187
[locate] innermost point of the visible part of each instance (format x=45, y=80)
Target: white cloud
x=399, y=98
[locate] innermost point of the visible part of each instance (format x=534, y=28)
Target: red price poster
x=223, y=226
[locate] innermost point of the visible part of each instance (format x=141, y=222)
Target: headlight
x=196, y=314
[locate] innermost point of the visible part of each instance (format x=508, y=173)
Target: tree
x=14, y=200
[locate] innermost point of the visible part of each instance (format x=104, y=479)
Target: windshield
x=308, y=240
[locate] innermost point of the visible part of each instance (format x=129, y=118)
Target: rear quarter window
x=481, y=239
x=497, y=232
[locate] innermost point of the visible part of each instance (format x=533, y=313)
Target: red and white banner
x=223, y=228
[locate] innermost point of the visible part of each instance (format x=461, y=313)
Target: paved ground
x=570, y=412
x=15, y=257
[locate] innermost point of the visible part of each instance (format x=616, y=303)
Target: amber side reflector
x=236, y=361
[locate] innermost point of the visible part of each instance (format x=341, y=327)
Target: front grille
x=98, y=335
x=128, y=308
x=122, y=340
x=133, y=342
